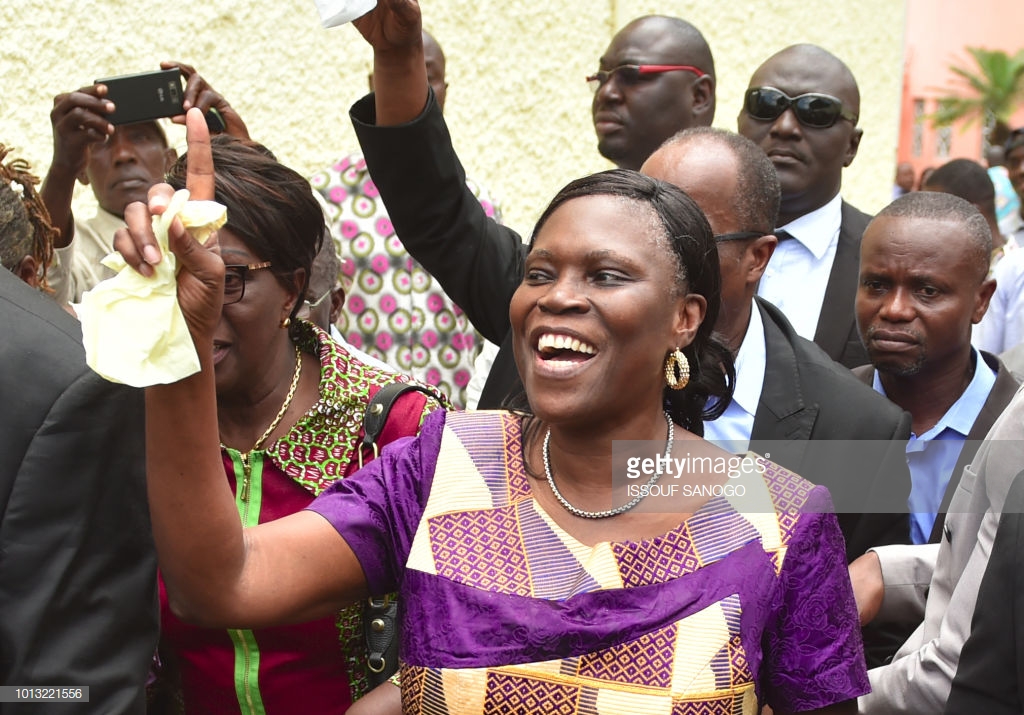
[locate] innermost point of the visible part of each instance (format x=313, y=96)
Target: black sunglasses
x=812, y=109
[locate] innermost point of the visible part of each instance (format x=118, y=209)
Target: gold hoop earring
x=677, y=370
x=286, y=322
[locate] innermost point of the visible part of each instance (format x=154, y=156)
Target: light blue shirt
x=797, y=274
x=932, y=455
x=732, y=430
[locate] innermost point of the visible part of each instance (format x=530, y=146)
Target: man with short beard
x=917, y=299
x=923, y=284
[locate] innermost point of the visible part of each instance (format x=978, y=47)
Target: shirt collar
x=817, y=230
x=960, y=417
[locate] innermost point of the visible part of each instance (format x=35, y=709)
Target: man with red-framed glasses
x=801, y=107
x=656, y=78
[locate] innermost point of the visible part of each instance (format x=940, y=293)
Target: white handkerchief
x=132, y=326
x=338, y=12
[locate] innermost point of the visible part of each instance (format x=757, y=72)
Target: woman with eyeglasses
x=289, y=413
x=538, y=575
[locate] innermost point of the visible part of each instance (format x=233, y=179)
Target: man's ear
x=337, y=302
x=981, y=301
x=851, y=148
x=758, y=253
x=170, y=156
x=28, y=271
x=704, y=100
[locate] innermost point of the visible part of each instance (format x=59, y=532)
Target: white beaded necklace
x=608, y=512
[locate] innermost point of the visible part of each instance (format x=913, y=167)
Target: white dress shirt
x=1003, y=324
x=737, y=422
x=798, y=271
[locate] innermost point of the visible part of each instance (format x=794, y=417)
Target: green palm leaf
x=994, y=87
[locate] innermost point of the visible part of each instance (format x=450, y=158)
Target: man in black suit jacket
x=77, y=566
x=810, y=141
x=479, y=263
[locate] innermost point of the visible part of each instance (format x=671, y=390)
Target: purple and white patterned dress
x=506, y=612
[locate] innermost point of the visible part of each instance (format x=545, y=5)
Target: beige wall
x=518, y=105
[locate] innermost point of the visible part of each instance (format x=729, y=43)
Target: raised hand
x=392, y=25
x=79, y=120
x=201, y=270
x=394, y=31
x=199, y=93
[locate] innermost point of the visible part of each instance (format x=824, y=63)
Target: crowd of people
x=209, y=545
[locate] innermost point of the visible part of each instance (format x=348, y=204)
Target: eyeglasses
x=812, y=109
x=632, y=75
x=314, y=304
x=739, y=236
x=308, y=306
x=235, y=278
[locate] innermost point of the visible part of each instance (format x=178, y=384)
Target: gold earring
x=677, y=370
x=286, y=322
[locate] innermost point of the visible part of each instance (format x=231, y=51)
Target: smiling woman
x=591, y=275
x=521, y=587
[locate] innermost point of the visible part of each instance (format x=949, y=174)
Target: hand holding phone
x=221, y=118
x=145, y=96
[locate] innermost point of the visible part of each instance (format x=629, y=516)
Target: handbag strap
x=380, y=617
x=378, y=409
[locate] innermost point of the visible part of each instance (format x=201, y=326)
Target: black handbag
x=380, y=614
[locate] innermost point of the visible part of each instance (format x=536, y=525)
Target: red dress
x=315, y=667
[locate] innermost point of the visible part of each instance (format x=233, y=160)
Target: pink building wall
x=936, y=35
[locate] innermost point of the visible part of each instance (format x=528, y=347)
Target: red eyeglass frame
x=645, y=69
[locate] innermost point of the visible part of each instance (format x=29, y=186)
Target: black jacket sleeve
x=478, y=262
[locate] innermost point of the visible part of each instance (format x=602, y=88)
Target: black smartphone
x=144, y=96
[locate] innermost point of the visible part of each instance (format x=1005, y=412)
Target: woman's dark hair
x=692, y=244
x=25, y=228
x=270, y=207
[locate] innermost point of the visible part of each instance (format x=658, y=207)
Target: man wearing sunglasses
x=801, y=108
x=656, y=77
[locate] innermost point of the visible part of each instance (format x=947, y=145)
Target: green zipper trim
x=247, y=650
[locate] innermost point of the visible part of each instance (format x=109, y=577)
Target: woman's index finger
x=199, y=177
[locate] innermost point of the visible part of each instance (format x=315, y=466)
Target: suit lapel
x=837, y=317
x=781, y=413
